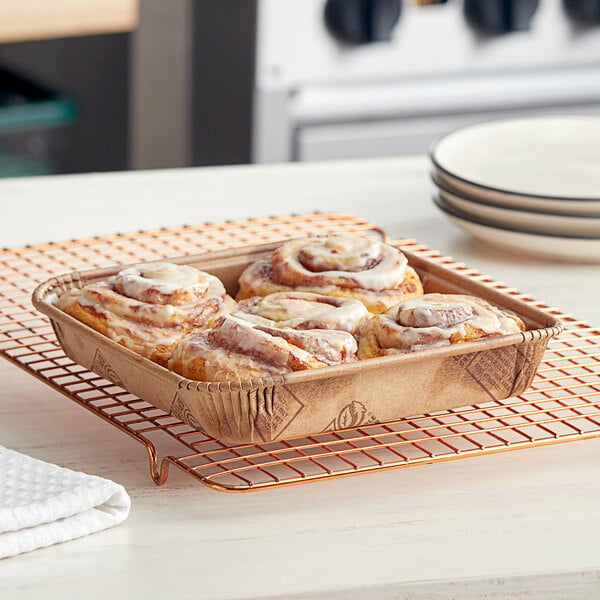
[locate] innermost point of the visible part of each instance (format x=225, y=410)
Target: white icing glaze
x=105, y=300
x=238, y=335
x=341, y=253
x=238, y=349
x=340, y=260
x=51, y=298
x=220, y=364
x=177, y=283
x=328, y=345
x=431, y=320
x=142, y=340
x=141, y=324
x=303, y=310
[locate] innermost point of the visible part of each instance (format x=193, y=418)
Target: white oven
x=355, y=78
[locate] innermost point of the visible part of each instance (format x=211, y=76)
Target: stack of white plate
x=529, y=185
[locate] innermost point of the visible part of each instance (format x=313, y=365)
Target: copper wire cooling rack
x=563, y=403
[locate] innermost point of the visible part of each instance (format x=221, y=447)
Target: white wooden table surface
x=519, y=524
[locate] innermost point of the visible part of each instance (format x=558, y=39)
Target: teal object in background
x=33, y=122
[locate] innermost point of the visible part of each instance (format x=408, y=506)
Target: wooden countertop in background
x=23, y=20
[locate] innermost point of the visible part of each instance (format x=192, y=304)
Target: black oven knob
x=362, y=21
x=586, y=12
x=495, y=17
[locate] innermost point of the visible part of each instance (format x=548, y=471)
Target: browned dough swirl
x=148, y=307
x=371, y=271
x=434, y=320
x=303, y=310
x=235, y=349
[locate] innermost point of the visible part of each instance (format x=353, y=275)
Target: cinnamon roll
x=148, y=307
x=235, y=349
x=432, y=321
x=344, y=266
x=303, y=310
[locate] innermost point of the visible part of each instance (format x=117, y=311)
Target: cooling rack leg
x=159, y=476
x=164, y=470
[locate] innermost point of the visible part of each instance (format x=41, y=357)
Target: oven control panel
x=331, y=42
x=358, y=22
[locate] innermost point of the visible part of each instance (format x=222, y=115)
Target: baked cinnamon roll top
x=371, y=271
x=235, y=349
x=147, y=306
x=343, y=261
x=303, y=310
x=163, y=283
x=434, y=320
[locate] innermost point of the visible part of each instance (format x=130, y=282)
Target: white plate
x=546, y=157
x=533, y=245
x=533, y=221
x=543, y=205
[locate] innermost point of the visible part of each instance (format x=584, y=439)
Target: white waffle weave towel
x=42, y=504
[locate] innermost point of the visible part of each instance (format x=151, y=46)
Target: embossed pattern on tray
x=563, y=403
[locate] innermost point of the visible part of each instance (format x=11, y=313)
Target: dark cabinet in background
x=87, y=79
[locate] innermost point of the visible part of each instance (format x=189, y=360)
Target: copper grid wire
x=563, y=404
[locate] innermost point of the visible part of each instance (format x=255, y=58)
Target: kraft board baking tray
x=370, y=391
